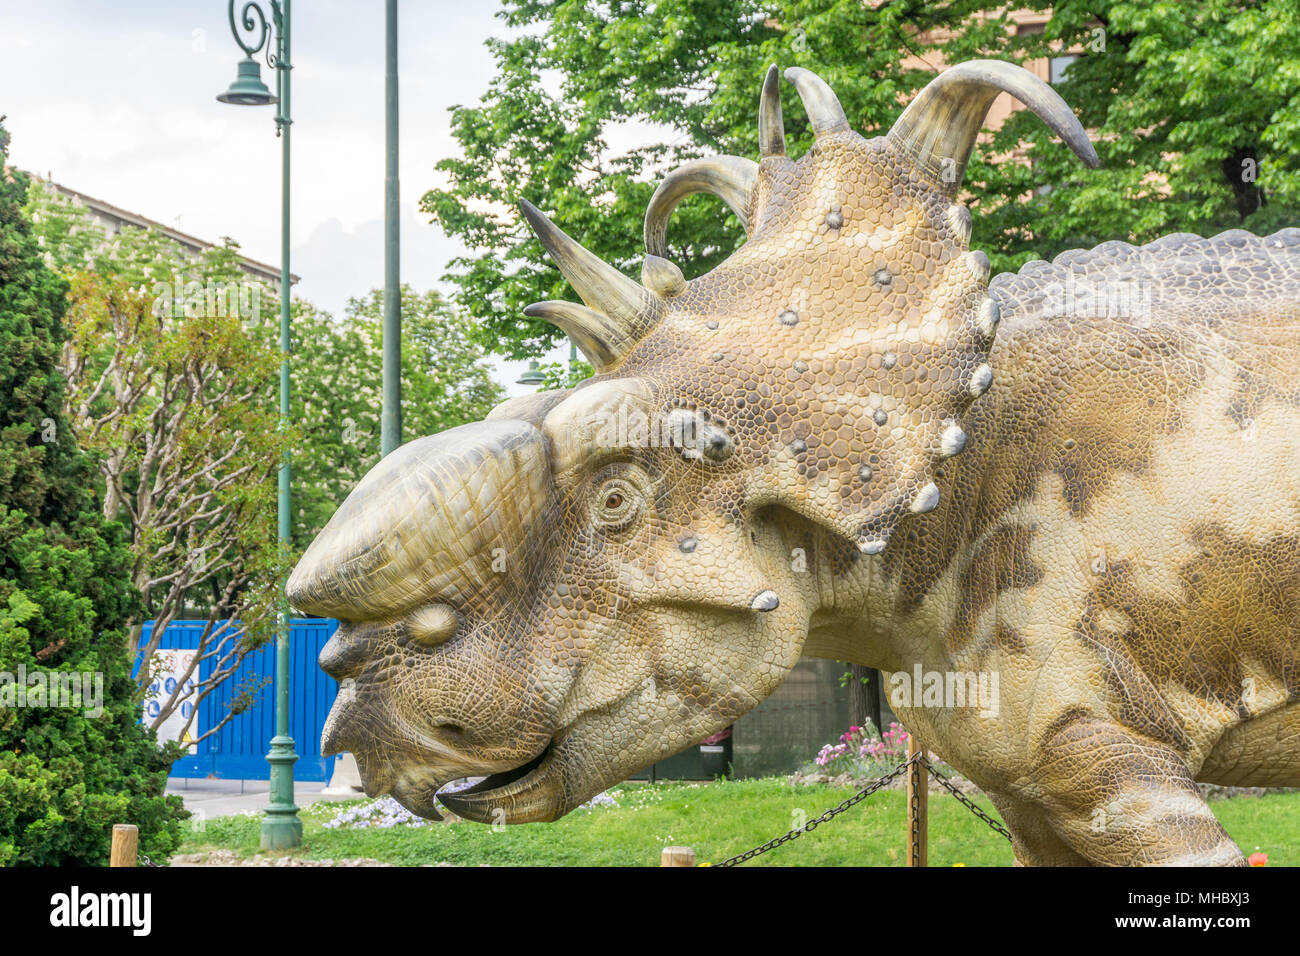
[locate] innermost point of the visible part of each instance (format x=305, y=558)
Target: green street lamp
x=281, y=827
x=248, y=88
x=534, y=375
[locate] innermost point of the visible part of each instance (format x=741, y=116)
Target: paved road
x=221, y=798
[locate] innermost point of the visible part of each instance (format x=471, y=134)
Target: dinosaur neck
x=898, y=608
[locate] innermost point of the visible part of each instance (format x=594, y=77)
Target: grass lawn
x=717, y=820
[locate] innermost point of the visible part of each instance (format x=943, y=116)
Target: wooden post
x=918, y=797
x=125, y=840
x=677, y=856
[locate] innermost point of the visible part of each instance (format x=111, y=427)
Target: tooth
x=765, y=601
x=980, y=380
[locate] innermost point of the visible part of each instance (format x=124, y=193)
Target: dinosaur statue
x=786, y=457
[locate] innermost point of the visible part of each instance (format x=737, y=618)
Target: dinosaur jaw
x=529, y=793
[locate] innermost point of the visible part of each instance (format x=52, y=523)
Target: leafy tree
x=1193, y=108
x=563, y=374
x=337, y=382
x=1182, y=97
x=68, y=769
x=171, y=368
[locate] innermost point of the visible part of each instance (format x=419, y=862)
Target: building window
x=1059, y=64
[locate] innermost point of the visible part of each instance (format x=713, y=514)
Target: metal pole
x=281, y=827
x=391, y=418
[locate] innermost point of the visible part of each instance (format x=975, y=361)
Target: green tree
x=67, y=773
x=1182, y=99
x=171, y=368
x=1193, y=108
x=337, y=375
x=563, y=374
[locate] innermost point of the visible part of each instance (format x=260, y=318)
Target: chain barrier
x=826, y=817
x=915, y=840
x=967, y=802
x=148, y=862
x=861, y=795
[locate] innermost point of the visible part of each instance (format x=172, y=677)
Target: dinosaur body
x=1120, y=544
x=1078, y=486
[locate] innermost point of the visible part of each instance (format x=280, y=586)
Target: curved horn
x=629, y=309
x=938, y=128
x=771, y=126
x=602, y=340
x=388, y=544
x=819, y=101
x=730, y=178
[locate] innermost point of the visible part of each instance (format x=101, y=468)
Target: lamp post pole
x=281, y=827
x=390, y=427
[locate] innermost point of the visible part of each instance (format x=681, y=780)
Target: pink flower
x=1257, y=859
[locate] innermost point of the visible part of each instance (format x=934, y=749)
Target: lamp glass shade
x=248, y=88
x=534, y=375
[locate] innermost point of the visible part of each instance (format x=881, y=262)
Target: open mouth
x=529, y=791
x=503, y=779
x=492, y=799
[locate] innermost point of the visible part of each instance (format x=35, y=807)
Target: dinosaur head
x=594, y=579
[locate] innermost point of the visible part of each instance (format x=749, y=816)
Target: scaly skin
x=787, y=457
x=1121, y=548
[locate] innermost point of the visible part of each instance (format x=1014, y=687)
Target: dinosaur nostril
x=342, y=655
x=454, y=730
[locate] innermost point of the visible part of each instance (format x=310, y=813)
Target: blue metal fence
x=238, y=750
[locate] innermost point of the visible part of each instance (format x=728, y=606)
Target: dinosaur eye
x=616, y=504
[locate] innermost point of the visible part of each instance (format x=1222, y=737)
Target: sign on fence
x=237, y=751
x=169, y=669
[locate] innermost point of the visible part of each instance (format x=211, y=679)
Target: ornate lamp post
x=281, y=828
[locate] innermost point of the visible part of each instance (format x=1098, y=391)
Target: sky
x=117, y=99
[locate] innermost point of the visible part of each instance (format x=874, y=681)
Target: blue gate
x=238, y=750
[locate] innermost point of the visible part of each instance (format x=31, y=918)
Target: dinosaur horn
x=938, y=128
x=771, y=127
x=819, y=101
x=602, y=340
x=730, y=178
x=626, y=310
